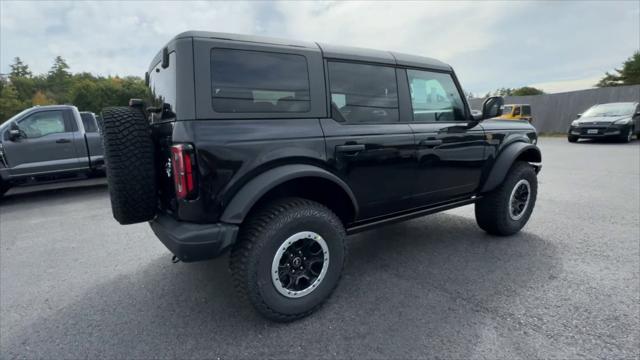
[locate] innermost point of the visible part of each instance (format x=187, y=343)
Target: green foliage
x=523, y=91
x=21, y=89
x=19, y=69
x=526, y=90
x=628, y=75
x=9, y=102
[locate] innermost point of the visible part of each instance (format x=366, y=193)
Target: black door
x=366, y=143
x=450, y=149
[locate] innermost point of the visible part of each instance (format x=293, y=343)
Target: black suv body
x=248, y=139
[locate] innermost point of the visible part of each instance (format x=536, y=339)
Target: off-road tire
x=572, y=138
x=129, y=159
x=492, y=210
x=260, y=237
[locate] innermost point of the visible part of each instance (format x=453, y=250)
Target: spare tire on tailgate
x=129, y=158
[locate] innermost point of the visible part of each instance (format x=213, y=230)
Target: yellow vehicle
x=516, y=112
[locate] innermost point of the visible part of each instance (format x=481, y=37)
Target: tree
x=19, y=69
x=522, y=91
x=526, y=90
x=9, y=103
x=59, y=81
x=40, y=98
x=628, y=75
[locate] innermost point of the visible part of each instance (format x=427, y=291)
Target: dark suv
x=278, y=149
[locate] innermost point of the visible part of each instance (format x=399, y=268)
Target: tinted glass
x=516, y=111
x=162, y=83
x=526, y=110
x=42, y=123
x=89, y=122
x=435, y=97
x=364, y=93
x=259, y=82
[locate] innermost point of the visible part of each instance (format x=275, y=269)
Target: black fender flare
x=505, y=159
x=252, y=191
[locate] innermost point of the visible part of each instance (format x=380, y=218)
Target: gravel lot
x=75, y=284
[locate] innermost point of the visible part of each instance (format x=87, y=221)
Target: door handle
x=430, y=142
x=350, y=148
x=63, y=141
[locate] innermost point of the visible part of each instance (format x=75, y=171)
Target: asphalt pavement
x=76, y=284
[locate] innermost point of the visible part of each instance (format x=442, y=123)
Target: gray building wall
x=553, y=113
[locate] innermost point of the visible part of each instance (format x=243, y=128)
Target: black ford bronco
x=277, y=149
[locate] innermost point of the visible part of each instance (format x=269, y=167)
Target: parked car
x=613, y=120
x=517, y=112
x=277, y=149
x=49, y=143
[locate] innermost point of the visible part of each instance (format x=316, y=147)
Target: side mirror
x=14, y=134
x=492, y=107
x=636, y=114
x=579, y=116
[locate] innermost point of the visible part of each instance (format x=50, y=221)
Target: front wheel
x=628, y=136
x=506, y=209
x=289, y=258
x=572, y=138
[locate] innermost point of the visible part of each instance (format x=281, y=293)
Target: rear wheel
x=129, y=160
x=506, y=209
x=289, y=258
x=572, y=138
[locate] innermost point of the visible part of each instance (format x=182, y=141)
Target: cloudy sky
x=558, y=46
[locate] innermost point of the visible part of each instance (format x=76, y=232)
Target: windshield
x=615, y=109
x=507, y=109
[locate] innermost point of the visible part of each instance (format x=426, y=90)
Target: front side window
x=259, y=82
x=516, y=111
x=435, y=97
x=42, y=123
x=364, y=93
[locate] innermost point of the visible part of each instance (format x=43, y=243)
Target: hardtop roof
x=328, y=51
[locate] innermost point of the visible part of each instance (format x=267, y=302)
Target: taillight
x=182, y=162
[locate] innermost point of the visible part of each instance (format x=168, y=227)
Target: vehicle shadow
x=423, y=288
x=54, y=193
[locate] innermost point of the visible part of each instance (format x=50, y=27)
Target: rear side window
x=526, y=110
x=363, y=93
x=435, y=97
x=259, y=82
x=89, y=123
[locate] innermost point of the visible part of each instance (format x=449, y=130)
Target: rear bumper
x=193, y=242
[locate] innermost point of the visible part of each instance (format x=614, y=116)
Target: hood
x=601, y=120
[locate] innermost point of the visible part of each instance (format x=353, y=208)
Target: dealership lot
x=74, y=283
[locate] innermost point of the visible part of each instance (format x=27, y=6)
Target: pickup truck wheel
x=129, y=159
x=289, y=258
x=505, y=210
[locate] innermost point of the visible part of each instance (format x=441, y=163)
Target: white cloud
x=490, y=44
